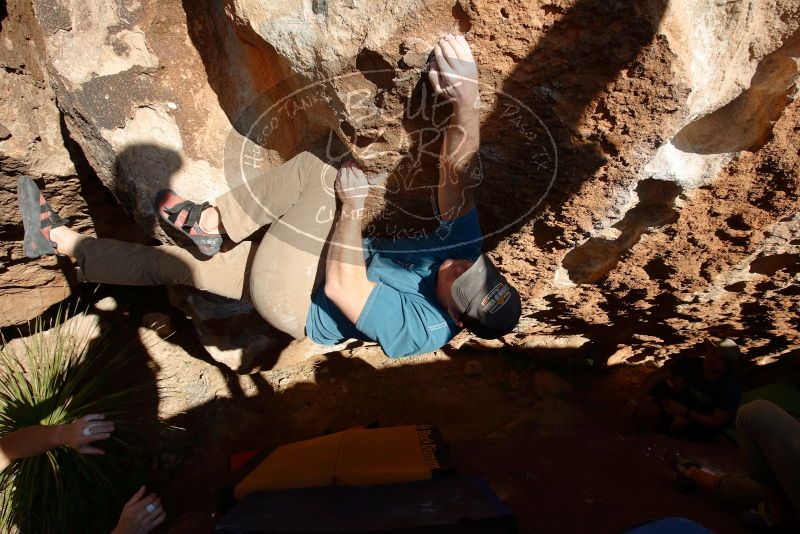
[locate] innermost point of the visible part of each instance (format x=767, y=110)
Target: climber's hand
x=453, y=72
x=352, y=187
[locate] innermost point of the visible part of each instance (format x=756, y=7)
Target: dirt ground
x=546, y=432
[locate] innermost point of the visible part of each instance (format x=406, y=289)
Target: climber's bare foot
x=210, y=221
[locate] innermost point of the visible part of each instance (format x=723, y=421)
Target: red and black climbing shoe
x=184, y=216
x=38, y=218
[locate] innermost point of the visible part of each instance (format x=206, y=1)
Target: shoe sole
x=34, y=243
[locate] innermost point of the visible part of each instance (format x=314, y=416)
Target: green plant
x=67, y=371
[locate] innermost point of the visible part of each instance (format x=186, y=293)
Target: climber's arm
x=454, y=75
x=346, y=282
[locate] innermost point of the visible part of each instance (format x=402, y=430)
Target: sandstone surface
x=640, y=158
x=31, y=142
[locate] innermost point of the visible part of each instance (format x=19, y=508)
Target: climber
x=769, y=443
x=693, y=397
x=312, y=274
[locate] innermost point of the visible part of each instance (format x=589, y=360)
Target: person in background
x=141, y=513
x=769, y=444
x=693, y=397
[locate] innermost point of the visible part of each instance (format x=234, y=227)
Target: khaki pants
x=278, y=275
x=769, y=442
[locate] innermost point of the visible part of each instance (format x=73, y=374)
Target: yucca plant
x=67, y=371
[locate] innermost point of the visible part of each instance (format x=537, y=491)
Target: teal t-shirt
x=402, y=312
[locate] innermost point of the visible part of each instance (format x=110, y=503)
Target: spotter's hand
x=82, y=433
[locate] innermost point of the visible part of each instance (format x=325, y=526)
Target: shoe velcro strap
x=175, y=211
x=53, y=220
x=193, y=212
x=56, y=221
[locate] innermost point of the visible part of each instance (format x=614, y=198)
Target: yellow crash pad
x=350, y=458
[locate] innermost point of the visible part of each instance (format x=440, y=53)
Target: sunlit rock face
x=138, y=97
x=639, y=158
x=31, y=143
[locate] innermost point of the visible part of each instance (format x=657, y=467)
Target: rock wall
x=150, y=92
x=34, y=140
x=31, y=142
x=640, y=158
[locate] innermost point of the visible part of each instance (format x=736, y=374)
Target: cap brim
x=468, y=287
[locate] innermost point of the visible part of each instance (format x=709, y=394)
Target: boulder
x=153, y=93
x=31, y=143
x=639, y=158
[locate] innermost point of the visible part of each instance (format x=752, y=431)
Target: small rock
x=473, y=368
x=549, y=342
x=415, y=44
x=646, y=338
x=4, y=133
x=107, y=304
x=622, y=355
x=415, y=53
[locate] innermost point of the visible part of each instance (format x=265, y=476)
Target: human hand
x=453, y=72
x=352, y=187
x=673, y=408
x=140, y=514
x=88, y=429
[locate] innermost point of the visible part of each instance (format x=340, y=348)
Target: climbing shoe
x=184, y=216
x=38, y=218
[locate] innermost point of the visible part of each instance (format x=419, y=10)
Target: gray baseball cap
x=729, y=350
x=490, y=307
